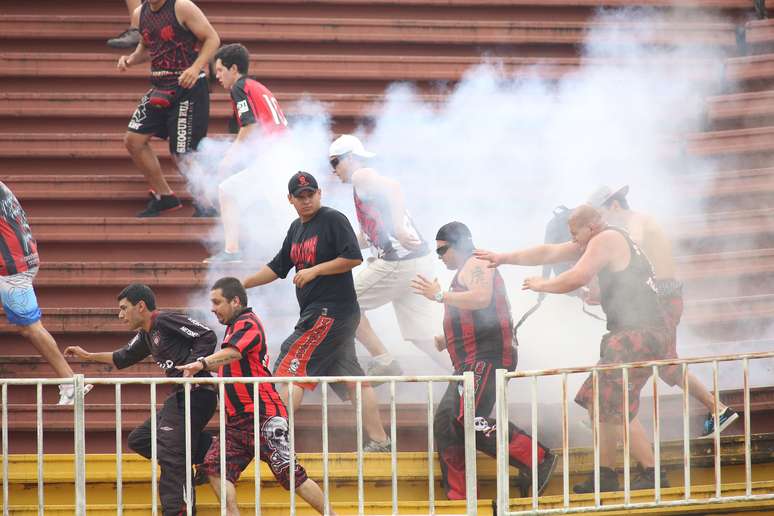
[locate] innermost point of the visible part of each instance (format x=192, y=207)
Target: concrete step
x=412, y=475
x=68, y=284
x=123, y=239
x=278, y=71
x=752, y=73
x=348, y=33
x=108, y=112
x=759, y=35
x=734, y=273
x=459, y=9
x=741, y=110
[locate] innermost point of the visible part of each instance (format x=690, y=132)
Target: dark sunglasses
x=442, y=250
x=334, y=161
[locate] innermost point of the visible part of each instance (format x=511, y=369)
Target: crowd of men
x=623, y=257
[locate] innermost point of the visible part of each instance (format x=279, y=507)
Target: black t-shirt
x=173, y=340
x=328, y=235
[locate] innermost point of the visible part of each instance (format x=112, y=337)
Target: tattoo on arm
x=215, y=361
x=477, y=276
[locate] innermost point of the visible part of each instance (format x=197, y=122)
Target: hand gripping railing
x=79, y=436
x=501, y=408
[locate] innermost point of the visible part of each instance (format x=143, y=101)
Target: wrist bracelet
x=203, y=362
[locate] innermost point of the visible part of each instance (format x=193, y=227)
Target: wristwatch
x=203, y=362
x=439, y=296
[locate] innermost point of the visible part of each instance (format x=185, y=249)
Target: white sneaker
x=67, y=393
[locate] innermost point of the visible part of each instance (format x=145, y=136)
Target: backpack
x=557, y=232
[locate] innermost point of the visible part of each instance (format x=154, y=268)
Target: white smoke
x=502, y=151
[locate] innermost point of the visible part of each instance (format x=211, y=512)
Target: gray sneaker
x=378, y=369
x=378, y=447
x=224, y=257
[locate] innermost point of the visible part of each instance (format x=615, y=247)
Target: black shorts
x=185, y=119
x=321, y=345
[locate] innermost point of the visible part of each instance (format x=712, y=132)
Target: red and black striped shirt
x=18, y=250
x=245, y=334
x=486, y=334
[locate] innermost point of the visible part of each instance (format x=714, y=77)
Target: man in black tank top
x=635, y=322
x=479, y=337
x=179, y=42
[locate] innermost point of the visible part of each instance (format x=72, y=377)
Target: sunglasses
x=442, y=250
x=334, y=161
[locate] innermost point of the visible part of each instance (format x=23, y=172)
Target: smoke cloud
x=499, y=154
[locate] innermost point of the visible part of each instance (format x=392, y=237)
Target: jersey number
x=276, y=112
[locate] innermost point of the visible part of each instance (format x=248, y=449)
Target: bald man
x=635, y=324
x=651, y=237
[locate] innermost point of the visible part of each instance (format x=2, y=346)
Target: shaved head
x=582, y=217
x=585, y=215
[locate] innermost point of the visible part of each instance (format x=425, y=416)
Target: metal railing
x=501, y=408
x=79, y=381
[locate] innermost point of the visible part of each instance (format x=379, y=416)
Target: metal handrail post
x=471, y=485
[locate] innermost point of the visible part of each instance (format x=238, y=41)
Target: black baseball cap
x=302, y=182
x=455, y=233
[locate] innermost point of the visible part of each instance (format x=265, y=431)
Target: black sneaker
x=725, y=419
x=645, y=478
x=156, y=207
x=545, y=469
x=608, y=481
x=200, y=477
x=127, y=39
x=201, y=212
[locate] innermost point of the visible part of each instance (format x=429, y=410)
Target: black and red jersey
x=486, y=334
x=253, y=103
x=245, y=334
x=18, y=249
x=173, y=340
x=629, y=297
x=172, y=47
x=375, y=218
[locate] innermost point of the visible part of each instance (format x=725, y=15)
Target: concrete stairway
x=63, y=110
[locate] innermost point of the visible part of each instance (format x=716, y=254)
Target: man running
x=172, y=339
x=648, y=234
x=635, y=324
x=402, y=253
x=243, y=355
x=19, y=263
x=323, y=249
x=177, y=106
x=478, y=333
x=259, y=117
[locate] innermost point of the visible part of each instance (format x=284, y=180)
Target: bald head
x=585, y=222
x=585, y=215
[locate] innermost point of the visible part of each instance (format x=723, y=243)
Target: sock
x=384, y=359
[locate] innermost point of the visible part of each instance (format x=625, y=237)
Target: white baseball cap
x=348, y=144
x=604, y=193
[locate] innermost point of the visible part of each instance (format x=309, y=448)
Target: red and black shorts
x=619, y=348
x=183, y=123
x=240, y=450
x=322, y=344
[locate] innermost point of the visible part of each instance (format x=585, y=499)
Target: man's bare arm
x=105, y=357
x=191, y=17
x=223, y=356
x=596, y=257
x=538, y=255
x=262, y=277
x=479, y=278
